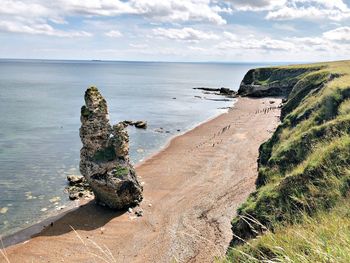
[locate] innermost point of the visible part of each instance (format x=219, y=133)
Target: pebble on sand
x=60, y=207
x=55, y=199
x=4, y=210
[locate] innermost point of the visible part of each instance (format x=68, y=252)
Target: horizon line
x=158, y=61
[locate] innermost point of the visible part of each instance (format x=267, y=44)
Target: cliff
x=274, y=81
x=304, y=169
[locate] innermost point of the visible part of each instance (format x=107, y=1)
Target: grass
x=121, y=171
x=304, y=167
x=3, y=252
x=324, y=237
x=105, y=155
x=97, y=252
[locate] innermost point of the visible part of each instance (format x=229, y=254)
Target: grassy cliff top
x=304, y=169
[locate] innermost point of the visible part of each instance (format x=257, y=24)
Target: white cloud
x=255, y=43
x=308, y=41
x=138, y=46
x=311, y=9
x=179, y=26
x=338, y=34
x=184, y=34
x=199, y=49
x=179, y=10
x=296, y=9
x=22, y=8
x=285, y=27
x=311, y=44
x=158, y=10
x=338, y=4
x=39, y=29
x=92, y=7
x=42, y=16
x=114, y=34
x=256, y=5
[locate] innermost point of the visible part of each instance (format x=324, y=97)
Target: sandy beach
x=192, y=189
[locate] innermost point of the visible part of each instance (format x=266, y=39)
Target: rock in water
x=140, y=124
x=104, y=158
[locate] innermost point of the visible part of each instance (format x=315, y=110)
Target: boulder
x=78, y=187
x=227, y=92
x=75, y=179
x=128, y=122
x=140, y=124
x=137, y=124
x=104, y=157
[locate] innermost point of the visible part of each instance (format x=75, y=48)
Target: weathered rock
x=140, y=124
x=75, y=179
x=208, y=89
x=128, y=122
x=104, y=158
x=78, y=187
x=222, y=91
x=139, y=212
x=159, y=130
x=137, y=124
x=228, y=92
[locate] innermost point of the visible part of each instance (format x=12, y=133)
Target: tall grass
x=96, y=251
x=322, y=238
x=3, y=252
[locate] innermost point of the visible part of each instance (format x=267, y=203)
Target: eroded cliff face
x=104, y=157
x=292, y=178
x=262, y=82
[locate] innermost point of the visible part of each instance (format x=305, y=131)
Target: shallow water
x=39, y=122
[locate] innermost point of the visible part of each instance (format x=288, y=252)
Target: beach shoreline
x=168, y=142
x=27, y=233
x=150, y=169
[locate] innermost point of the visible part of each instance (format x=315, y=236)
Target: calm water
x=40, y=106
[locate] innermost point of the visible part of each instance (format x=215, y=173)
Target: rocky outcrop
x=78, y=187
x=262, y=82
x=104, y=158
x=221, y=91
x=137, y=124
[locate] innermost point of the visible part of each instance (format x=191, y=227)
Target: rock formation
x=104, y=158
x=221, y=91
x=78, y=187
x=263, y=82
x=137, y=124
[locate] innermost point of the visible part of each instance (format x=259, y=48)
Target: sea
x=40, y=103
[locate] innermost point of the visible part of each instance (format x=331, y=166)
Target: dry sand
x=192, y=189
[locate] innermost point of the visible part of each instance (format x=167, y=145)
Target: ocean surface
x=40, y=105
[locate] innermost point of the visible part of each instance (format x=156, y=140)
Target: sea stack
x=104, y=157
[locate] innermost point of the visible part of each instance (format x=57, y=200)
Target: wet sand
x=191, y=191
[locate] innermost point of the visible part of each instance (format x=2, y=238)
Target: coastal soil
x=192, y=189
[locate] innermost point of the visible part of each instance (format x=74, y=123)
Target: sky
x=176, y=30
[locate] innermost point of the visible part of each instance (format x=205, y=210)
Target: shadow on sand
x=87, y=217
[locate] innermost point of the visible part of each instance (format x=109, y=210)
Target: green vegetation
x=105, y=155
x=304, y=176
x=121, y=171
x=322, y=238
x=85, y=111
